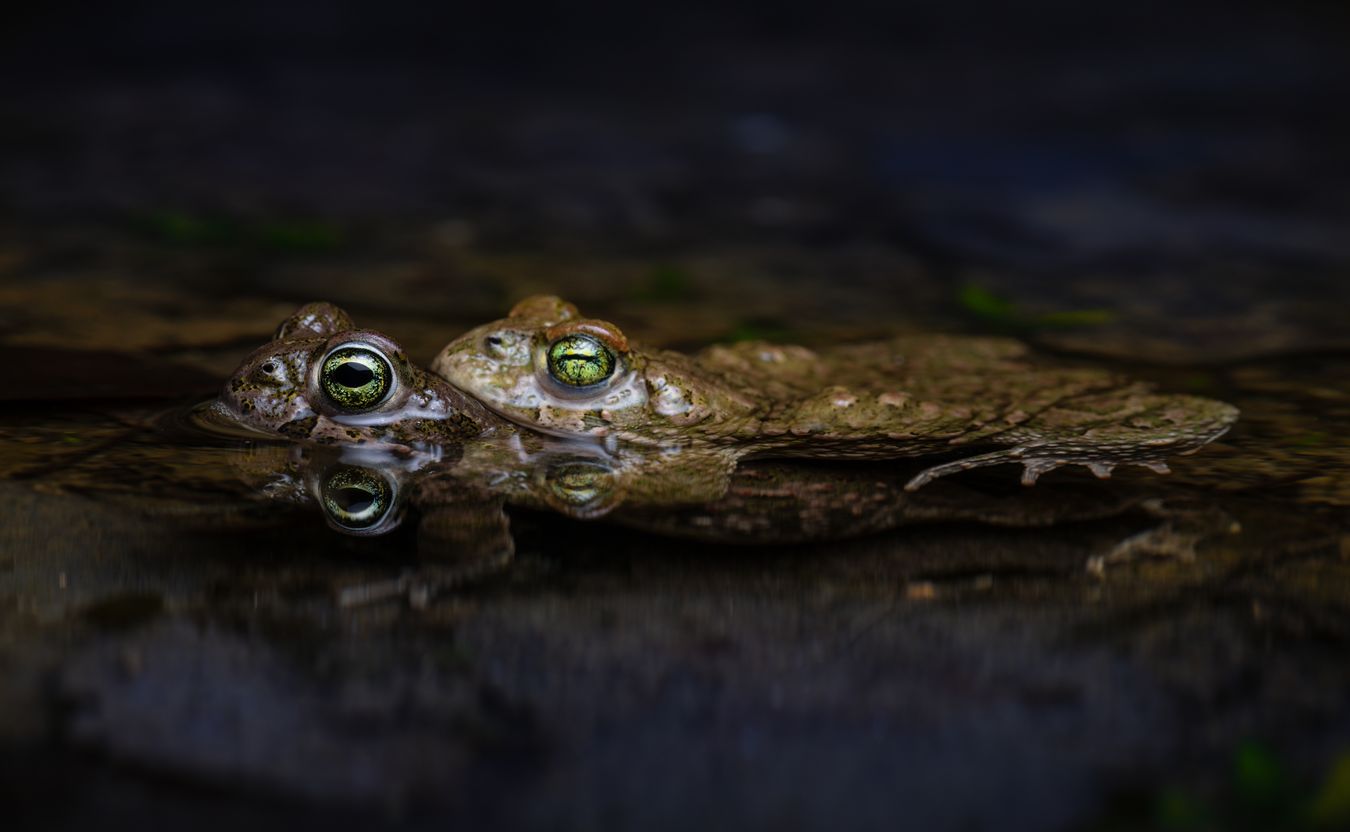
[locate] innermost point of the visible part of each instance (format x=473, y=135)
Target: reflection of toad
x=463, y=530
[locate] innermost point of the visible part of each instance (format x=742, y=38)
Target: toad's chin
x=220, y=418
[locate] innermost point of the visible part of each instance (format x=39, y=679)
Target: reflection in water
x=183, y=569
x=359, y=500
x=459, y=499
x=582, y=488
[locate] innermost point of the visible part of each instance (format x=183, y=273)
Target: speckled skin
x=907, y=397
x=276, y=391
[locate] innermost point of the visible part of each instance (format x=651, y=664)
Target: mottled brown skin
x=985, y=398
x=276, y=391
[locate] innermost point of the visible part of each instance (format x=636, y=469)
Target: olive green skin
x=278, y=391
x=986, y=399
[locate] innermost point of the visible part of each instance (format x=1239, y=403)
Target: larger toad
x=983, y=401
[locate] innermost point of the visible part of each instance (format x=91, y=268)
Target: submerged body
x=547, y=367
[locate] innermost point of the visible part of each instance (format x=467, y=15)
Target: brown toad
x=981, y=401
x=322, y=380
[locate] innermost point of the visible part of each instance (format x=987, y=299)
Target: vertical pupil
x=353, y=374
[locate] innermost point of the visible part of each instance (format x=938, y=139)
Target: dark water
x=176, y=621
x=181, y=643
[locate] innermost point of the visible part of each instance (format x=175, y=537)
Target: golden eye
x=580, y=488
x=577, y=483
x=356, y=378
x=356, y=499
x=580, y=361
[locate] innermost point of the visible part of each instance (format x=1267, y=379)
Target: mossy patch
x=1002, y=313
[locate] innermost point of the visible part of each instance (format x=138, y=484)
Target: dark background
x=920, y=124
x=1181, y=165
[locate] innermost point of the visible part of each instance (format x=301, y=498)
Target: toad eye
x=580, y=361
x=578, y=484
x=580, y=488
x=356, y=499
x=356, y=378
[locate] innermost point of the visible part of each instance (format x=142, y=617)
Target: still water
x=185, y=608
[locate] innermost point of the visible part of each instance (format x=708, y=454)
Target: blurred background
x=1162, y=179
x=1162, y=187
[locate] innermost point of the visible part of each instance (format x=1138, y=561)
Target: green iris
x=356, y=498
x=580, y=361
x=355, y=378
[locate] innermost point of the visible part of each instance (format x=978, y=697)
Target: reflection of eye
x=580, y=361
x=577, y=484
x=356, y=499
x=355, y=378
